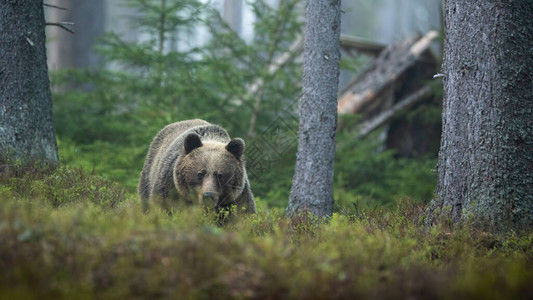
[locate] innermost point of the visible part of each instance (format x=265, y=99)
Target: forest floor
x=68, y=234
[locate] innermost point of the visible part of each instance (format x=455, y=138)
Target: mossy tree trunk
x=485, y=169
x=312, y=189
x=26, y=125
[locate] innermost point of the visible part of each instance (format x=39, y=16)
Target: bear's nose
x=210, y=196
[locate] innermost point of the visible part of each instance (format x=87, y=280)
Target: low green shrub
x=92, y=245
x=63, y=186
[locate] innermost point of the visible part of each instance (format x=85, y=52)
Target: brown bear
x=195, y=161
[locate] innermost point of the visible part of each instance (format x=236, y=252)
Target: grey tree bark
x=485, y=169
x=26, y=125
x=312, y=189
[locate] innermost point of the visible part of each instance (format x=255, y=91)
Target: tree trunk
x=67, y=50
x=485, y=169
x=232, y=14
x=312, y=189
x=26, y=125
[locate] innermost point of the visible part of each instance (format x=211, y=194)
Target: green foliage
x=377, y=177
x=84, y=249
x=60, y=187
x=364, y=175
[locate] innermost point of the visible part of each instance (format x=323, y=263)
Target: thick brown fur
x=195, y=161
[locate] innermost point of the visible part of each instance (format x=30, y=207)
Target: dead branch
x=54, y=6
x=386, y=116
x=256, y=88
x=61, y=25
x=295, y=48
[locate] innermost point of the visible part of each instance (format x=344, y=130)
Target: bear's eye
x=218, y=176
x=201, y=174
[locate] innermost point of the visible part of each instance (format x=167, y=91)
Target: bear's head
x=210, y=173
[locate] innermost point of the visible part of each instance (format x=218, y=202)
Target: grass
x=68, y=234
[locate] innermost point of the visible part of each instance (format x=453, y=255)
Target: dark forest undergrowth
x=68, y=234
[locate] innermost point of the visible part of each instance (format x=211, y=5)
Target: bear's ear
x=192, y=141
x=236, y=147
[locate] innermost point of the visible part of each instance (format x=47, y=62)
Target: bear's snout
x=210, y=196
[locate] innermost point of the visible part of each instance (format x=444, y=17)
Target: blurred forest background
x=133, y=66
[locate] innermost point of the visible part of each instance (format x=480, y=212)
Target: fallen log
x=384, y=72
